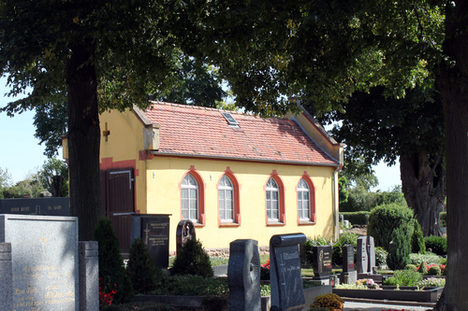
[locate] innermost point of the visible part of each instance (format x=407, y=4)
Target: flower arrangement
x=266, y=265
x=369, y=283
x=106, y=297
x=332, y=302
x=432, y=282
x=425, y=268
x=265, y=271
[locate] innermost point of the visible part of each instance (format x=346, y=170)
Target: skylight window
x=230, y=119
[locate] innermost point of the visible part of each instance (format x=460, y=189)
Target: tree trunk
x=83, y=139
x=453, y=85
x=423, y=184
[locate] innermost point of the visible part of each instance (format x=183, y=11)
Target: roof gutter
x=203, y=156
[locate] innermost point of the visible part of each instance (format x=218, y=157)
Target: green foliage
x=50, y=121
x=361, y=199
x=111, y=268
x=356, y=218
x=432, y=282
x=31, y=187
x=141, y=269
x=385, y=219
x=417, y=240
x=192, y=285
x=193, y=260
x=411, y=267
x=345, y=238
x=434, y=270
x=436, y=244
x=428, y=258
x=380, y=256
x=54, y=177
x=443, y=219
x=5, y=180
x=404, y=278
x=400, y=248
x=422, y=268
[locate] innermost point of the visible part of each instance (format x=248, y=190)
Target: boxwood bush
x=141, y=269
x=437, y=244
x=193, y=260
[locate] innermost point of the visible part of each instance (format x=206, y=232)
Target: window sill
x=275, y=224
x=228, y=224
x=306, y=223
x=198, y=225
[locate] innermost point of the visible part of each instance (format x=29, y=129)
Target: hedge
x=356, y=218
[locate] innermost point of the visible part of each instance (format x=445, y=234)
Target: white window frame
x=190, y=185
x=226, y=206
x=273, y=204
x=303, y=200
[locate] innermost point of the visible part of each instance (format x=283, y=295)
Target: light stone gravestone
x=244, y=276
x=6, y=290
x=44, y=251
x=287, y=291
x=362, y=262
x=89, y=275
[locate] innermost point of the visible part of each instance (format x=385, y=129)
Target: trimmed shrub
x=428, y=258
x=385, y=219
x=356, y=218
x=307, y=248
x=437, y=244
x=443, y=219
x=434, y=270
x=330, y=301
x=193, y=260
x=380, y=256
x=417, y=240
x=141, y=269
x=404, y=278
x=400, y=248
x=345, y=238
x=112, y=273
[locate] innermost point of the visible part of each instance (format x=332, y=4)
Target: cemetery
x=44, y=267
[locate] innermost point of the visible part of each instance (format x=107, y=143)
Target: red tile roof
x=204, y=132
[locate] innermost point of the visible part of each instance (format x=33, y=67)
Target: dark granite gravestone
x=349, y=274
x=371, y=254
x=322, y=261
x=287, y=292
x=38, y=206
x=244, y=276
x=362, y=262
x=153, y=230
x=185, y=231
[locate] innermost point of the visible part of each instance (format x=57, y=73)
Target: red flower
x=266, y=265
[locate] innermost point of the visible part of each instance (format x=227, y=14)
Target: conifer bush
x=417, y=240
x=193, y=260
x=141, y=269
x=112, y=273
x=400, y=248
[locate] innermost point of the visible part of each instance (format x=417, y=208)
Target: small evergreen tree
x=112, y=273
x=417, y=240
x=400, y=248
x=141, y=269
x=193, y=260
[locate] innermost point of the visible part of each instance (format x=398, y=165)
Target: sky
x=22, y=155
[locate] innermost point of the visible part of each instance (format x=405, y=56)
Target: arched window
x=226, y=200
x=303, y=200
x=272, y=201
x=190, y=198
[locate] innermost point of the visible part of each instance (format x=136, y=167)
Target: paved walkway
x=379, y=306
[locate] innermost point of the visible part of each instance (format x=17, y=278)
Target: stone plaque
x=348, y=258
x=244, y=276
x=361, y=255
x=185, y=231
x=287, y=292
x=153, y=230
x=322, y=261
x=44, y=261
x=38, y=206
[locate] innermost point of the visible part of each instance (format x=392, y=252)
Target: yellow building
x=236, y=176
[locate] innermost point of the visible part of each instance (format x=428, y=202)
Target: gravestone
x=287, y=292
x=185, y=231
x=44, y=252
x=371, y=254
x=153, y=230
x=6, y=288
x=349, y=274
x=89, y=275
x=362, y=262
x=38, y=206
x=322, y=263
x=244, y=276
